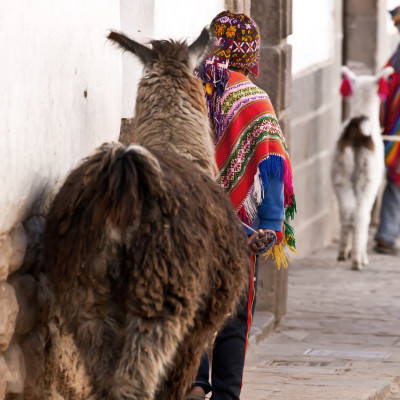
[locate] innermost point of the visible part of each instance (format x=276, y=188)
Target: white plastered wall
x=313, y=37
x=60, y=85
x=144, y=20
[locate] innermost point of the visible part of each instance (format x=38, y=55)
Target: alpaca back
x=146, y=259
x=358, y=162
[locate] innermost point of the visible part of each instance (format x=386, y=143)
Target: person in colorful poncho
x=389, y=227
x=255, y=172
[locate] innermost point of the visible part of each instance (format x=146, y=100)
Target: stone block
x=8, y=314
x=284, y=121
x=19, y=243
x=313, y=188
x=238, y=6
x=270, y=74
x=315, y=89
x=361, y=44
x=12, y=251
x=272, y=289
x=268, y=17
x=286, y=77
x=318, y=232
x=26, y=290
x=287, y=18
x=359, y=7
x=14, y=358
x=5, y=254
x=315, y=134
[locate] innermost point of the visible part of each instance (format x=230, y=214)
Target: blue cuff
x=274, y=224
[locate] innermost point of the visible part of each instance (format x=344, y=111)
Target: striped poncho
x=251, y=150
x=390, y=120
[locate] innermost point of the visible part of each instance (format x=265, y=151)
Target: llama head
x=175, y=54
x=364, y=91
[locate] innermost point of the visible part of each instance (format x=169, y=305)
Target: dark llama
x=144, y=254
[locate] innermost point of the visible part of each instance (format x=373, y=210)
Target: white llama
x=358, y=164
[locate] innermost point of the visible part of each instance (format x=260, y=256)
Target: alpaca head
x=364, y=91
x=170, y=54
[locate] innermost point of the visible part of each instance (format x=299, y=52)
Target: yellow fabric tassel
x=279, y=255
x=209, y=88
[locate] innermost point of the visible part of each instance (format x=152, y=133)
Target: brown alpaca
x=170, y=111
x=143, y=251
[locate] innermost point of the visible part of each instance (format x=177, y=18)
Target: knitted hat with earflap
x=235, y=43
x=395, y=13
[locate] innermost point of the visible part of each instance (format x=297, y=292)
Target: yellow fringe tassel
x=279, y=255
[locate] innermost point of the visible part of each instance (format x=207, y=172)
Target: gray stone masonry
x=365, y=37
x=340, y=338
x=274, y=19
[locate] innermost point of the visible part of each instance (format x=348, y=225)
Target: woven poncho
x=390, y=120
x=252, y=150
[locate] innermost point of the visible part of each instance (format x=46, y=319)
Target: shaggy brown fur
x=144, y=253
x=354, y=137
x=147, y=259
x=171, y=113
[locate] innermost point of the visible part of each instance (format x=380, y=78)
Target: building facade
x=65, y=90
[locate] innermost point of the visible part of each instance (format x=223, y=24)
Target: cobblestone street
x=340, y=338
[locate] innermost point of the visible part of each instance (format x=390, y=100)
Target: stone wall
x=274, y=20
x=61, y=98
x=365, y=46
x=315, y=123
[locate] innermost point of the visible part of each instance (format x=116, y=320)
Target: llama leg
x=346, y=222
x=360, y=239
x=186, y=363
x=149, y=350
x=98, y=341
x=347, y=207
x=344, y=241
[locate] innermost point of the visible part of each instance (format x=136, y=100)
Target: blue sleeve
x=271, y=211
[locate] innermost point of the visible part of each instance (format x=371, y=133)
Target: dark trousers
x=230, y=350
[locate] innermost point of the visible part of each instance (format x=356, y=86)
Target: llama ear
x=348, y=73
x=346, y=87
x=198, y=48
x=348, y=79
x=145, y=54
x=381, y=79
x=384, y=73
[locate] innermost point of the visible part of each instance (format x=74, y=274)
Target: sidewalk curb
x=263, y=325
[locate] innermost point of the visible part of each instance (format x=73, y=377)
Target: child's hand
x=262, y=241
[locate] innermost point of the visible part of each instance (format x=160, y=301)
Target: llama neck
x=171, y=115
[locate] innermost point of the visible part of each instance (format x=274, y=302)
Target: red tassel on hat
x=383, y=89
x=345, y=88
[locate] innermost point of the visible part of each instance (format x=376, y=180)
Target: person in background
x=254, y=170
x=389, y=226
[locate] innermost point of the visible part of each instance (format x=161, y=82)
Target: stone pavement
x=340, y=338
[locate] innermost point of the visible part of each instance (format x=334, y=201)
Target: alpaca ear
x=198, y=48
x=347, y=72
x=145, y=54
x=346, y=87
x=384, y=73
x=381, y=79
x=348, y=79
